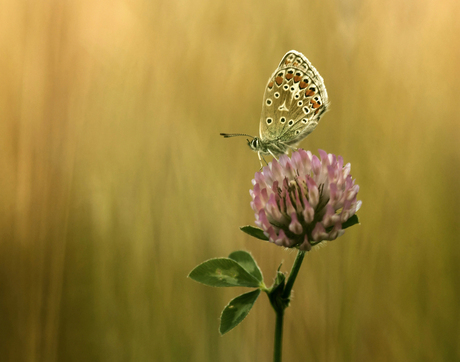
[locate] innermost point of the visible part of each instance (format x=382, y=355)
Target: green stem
x=278, y=335
x=294, y=271
x=279, y=308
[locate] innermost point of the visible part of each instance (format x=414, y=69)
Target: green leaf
x=276, y=291
x=246, y=260
x=237, y=310
x=350, y=222
x=223, y=272
x=278, y=285
x=255, y=232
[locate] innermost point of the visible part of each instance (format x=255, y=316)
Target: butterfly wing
x=294, y=100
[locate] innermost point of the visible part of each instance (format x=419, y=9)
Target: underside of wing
x=294, y=100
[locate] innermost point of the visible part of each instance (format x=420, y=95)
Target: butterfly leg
x=260, y=160
x=261, y=157
x=292, y=148
x=272, y=155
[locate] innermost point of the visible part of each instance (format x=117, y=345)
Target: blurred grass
x=115, y=183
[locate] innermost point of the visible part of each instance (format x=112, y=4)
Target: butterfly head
x=254, y=144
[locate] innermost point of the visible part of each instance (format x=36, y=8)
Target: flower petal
x=316, y=165
x=330, y=217
x=305, y=246
x=308, y=212
x=336, y=231
x=313, y=192
x=295, y=225
x=273, y=211
x=319, y=233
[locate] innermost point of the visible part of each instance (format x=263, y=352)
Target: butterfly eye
x=291, y=122
x=277, y=95
x=283, y=119
x=306, y=110
x=269, y=120
x=300, y=103
x=268, y=102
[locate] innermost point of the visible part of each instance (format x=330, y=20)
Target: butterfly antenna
x=227, y=135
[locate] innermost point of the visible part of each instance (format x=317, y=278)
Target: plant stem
x=294, y=271
x=279, y=307
x=278, y=335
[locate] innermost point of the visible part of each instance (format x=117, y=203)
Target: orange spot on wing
x=302, y=85
x=279, y=80
x=309, y=93
x=270, y=85
x=316, y=112
x=289, y=76
x=297, y=78
x=315, y=104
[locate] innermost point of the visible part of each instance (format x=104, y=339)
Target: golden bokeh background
x=115, y=182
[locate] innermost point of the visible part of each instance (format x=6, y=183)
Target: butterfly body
x=294, y=100
x=267, y=147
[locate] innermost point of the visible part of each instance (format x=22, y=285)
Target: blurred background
x=115, y=182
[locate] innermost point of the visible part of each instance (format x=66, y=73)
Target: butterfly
x=295, y=98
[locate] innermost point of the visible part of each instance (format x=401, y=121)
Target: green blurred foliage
x=115, y=183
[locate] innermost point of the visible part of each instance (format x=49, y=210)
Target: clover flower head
x=303, y=200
